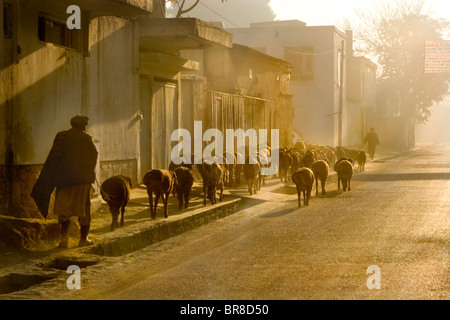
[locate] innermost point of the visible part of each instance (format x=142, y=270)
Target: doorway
x=159, y=107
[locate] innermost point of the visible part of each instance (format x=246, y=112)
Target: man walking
x=372, y=142
x=70, y=168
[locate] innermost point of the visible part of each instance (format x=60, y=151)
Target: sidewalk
x=29, y=239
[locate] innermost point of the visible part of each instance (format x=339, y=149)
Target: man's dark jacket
x=372, y=142
x=72, y=160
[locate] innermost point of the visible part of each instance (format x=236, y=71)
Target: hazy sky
x=331, y=12
x=240, y=13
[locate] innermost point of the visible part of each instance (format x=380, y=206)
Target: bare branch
x=393, y=36
x=181, y=11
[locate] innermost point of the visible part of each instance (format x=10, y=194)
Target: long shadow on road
x=403, y=176
x=282, y=212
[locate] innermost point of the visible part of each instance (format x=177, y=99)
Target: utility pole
x=341, y=92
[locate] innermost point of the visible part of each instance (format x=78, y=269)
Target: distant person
x=372, y=142
x=70, y=168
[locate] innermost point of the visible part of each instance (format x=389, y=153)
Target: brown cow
x=160, y=182
x=116, y=192
x=251, y=174
x=212, y=174
x=320, y=169
x=183, y=185
x=344, y=173
x=362, y=159
x=304, y=180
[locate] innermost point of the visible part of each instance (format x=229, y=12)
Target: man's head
x=79, y=122
x=372, y=130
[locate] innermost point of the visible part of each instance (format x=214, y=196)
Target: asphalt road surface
x=393, y=223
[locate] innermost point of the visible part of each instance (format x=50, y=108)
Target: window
x=302, y=58
x=57, y=32
x=7, y=20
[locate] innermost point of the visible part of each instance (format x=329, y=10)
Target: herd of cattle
x=303, y=165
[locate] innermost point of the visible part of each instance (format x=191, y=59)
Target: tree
x=180, y=5
x=233, y=13
x=394, y=36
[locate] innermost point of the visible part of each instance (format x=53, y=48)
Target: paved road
x=396, y=217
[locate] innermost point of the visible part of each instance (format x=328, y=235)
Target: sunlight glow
x=331, y=12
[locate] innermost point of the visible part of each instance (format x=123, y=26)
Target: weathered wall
x=264, y=83
x=355, y=123
x=242, y=70
x=361, y=99
x=44, y=78
x=47, y=90
x=5, y=86
x=53, y=83
x=6, y=76
x=112, y=85
x=339, y=51
x=192, y=102
x=315, y=101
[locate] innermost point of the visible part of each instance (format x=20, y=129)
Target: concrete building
x=317, y=84
x=361, y=111
x=243, y=89
x=121, y=69
x=50, y=73
x=161, y=104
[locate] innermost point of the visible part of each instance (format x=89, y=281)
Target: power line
x=220, y=15
x=307, y=54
